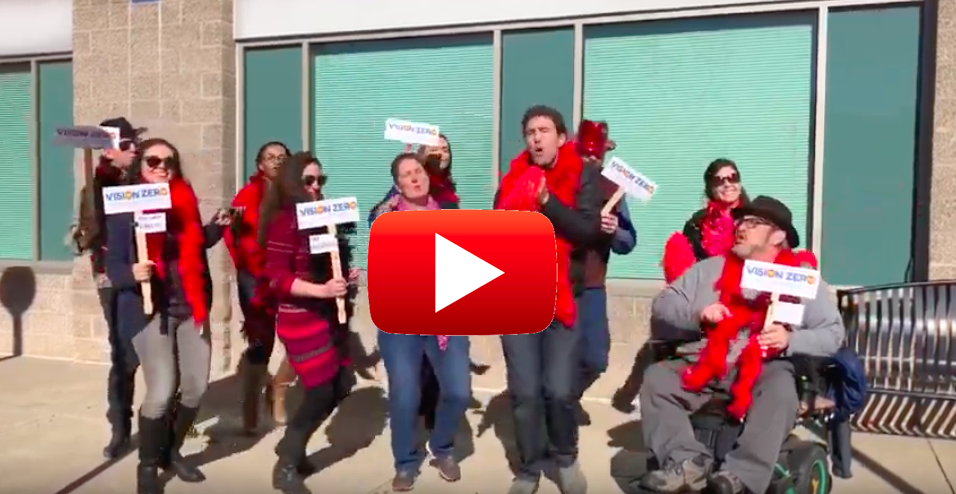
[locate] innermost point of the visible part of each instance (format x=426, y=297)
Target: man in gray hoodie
x=764, y=230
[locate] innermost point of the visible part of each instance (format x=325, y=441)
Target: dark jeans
x=317, y=406
x=543, y=372
x=595, y=332
x=402, y=355
x=257, y=326
x=123, y=365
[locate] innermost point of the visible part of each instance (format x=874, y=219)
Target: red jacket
x=242, y=239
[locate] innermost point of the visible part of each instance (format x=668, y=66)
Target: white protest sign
x=323, y=244
x=114, y=134
x=628, y=179
x=133, y=198
x=411, y=132
x=780, y=279
x=85, y=137
x=151, y=223
x=788, y=313
x=326, y=213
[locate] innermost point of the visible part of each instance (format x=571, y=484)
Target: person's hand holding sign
x=334, y=288
x=774, y=337
x=609, y=223
x=714, y=313
x=143, y=271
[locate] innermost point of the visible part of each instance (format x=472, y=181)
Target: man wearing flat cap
x=704, y=296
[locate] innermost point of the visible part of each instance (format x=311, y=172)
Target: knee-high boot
x=153, y=436
x=178, y=428
x=253, y=381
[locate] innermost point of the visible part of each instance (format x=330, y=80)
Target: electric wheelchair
x=802, y=466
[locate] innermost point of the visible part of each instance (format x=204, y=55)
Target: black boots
x=153, y=436
x=292, y=467
x=119, y=442
x=181, y=422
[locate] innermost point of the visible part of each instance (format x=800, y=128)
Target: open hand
x=354, y=274
x=543, y=192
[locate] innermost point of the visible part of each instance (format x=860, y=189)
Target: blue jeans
x=595, y=332
x=543, y=374
x=403, y=356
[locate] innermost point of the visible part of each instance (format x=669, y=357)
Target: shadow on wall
x=18, y=289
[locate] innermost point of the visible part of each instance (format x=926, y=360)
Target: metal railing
x=905, y=334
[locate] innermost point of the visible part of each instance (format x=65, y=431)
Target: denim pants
x=403, y=356
x=595, y=344
x=543, y=372
x=123, y=365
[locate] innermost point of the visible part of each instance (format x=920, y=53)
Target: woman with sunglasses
x=710, y=231
x=307, y=317
x=172, y=344
x=258, y=325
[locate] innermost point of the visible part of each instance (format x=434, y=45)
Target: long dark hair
x=712, y=169
x=136, y=168
x=285, y=190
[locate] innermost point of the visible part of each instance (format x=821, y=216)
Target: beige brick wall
x=943, y=203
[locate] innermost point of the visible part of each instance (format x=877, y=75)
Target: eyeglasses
x=310, y=180
x=752, y=221
x=156, y=161
x=272, y=158
x=733, y=178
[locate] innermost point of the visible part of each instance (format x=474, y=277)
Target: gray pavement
x=52, y=430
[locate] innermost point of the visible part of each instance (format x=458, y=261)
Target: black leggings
x=317, y=405
x=257, y=327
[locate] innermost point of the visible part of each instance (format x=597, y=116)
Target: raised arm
x=625, y=238
x=282, y=244
x=580, y=225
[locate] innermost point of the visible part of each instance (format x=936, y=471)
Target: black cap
x=126, y=129
x=775, y=212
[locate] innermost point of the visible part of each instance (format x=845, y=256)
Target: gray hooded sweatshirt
x=675, y=315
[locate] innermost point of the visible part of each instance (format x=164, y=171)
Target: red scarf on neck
x=717, y=230
x=744, y=315
x=518, y=191
x=184, y=228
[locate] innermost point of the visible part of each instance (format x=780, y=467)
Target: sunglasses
x=729, y=179
x=310, y=180
x=156, y=161
x=127, y=144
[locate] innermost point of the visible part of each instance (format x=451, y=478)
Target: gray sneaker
x=725, y=482
x=523, y=486
x=672, y=478
x=571, y=479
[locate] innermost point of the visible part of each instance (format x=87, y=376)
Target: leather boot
x=119, y=440
x=290, y=470
x=181, y=422
x=281, y=382
x=253, y=380
x=153, y=435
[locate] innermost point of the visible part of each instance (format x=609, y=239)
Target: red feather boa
x=518, y=191
x=678, y=257
x=184, y=224
x=744, y=315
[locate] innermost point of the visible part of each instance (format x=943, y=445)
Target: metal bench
x=905, y=334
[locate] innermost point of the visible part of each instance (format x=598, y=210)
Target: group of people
x=286, y=292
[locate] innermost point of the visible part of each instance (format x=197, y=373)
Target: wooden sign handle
x=142, y=254
x=612, y=202
x=337, y=273
x=88, y=176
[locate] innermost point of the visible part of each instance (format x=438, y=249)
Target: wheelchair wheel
x=808, y=465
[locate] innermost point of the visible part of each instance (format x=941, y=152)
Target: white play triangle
x=458, y=272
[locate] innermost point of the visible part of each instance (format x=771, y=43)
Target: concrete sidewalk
x=52, y=431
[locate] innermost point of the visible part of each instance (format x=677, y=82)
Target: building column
x=942, y=252
x=169, y=66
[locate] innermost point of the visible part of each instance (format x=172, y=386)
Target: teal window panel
x=537, y=68
x=444, y=81
x=679, y=94
x=272, y=100
x=869, y=154
x=55, y=108
x=17, y=194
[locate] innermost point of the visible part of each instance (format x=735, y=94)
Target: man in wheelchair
x=684, y=312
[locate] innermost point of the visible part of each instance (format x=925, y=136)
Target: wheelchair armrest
x=665, y=349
